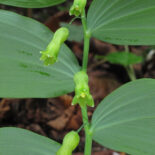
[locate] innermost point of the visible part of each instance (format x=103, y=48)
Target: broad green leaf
x=75, y=32
x=16, y=141
x=22, y=74
x=123, y=58
x=31, y=3
x=125, y=22
x=125, y=120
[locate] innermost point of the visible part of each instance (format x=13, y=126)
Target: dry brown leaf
x=4, y=108
x=60, y=122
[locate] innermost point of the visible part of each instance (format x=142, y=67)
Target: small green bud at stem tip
x=78, y=7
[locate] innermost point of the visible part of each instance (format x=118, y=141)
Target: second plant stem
x=88, y=134
x=129, y=68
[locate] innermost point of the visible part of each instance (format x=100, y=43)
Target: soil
x=54, y=117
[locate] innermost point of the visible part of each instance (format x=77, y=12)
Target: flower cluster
x=82, y=93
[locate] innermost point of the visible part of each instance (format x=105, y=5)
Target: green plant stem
x=88, y=133
x=129, y=69
x=86, y=42
x=80, y=128
x=131, y=72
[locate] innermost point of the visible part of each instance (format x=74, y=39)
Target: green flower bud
x=70, y=142
x=82, y=93
x=64, y=151
x=49, y=56
x=61, y=35
x=77, y=7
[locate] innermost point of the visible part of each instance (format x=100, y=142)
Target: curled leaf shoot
x=78, y=7
x=50, y=55
x=82, y=93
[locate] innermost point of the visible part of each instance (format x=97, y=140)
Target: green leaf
x=75, y=32
x=31, y=3
x=125, y=22
x=16, y=141
x=125, y=120
x=22, y=73
x=123, y=58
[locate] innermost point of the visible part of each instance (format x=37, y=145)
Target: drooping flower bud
x=70, y=142
x=78, y=7
x=64, y=151
x=49, y=56
x=82, y=93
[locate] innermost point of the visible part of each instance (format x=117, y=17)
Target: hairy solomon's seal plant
x=123, y=121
